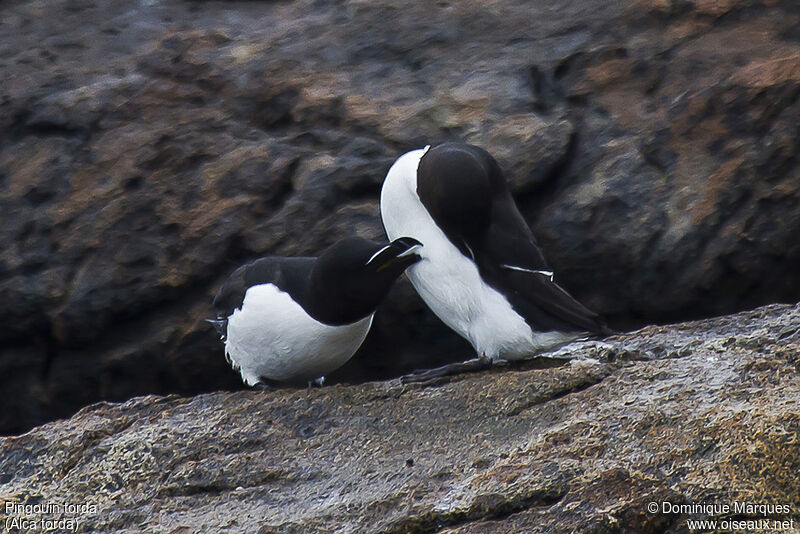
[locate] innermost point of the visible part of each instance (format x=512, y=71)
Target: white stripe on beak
x=377, y=254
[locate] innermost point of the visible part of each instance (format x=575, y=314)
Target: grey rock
x=147, y=149
x=692, y=413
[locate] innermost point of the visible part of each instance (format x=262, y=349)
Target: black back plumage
x=466, y=194
x=344, y=284
x=290, y=275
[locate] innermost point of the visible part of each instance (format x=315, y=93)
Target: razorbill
x=298, y=319
x=481, y=271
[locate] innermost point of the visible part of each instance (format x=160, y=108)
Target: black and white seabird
x=298, y=319
x=482, y=272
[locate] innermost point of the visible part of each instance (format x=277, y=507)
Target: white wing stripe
x=548, y=274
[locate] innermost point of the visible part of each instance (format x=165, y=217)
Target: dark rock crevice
x=485, y=508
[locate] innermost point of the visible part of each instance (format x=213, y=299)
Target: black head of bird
x=352, y=276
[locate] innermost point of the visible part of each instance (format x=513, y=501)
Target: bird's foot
x=470, y=366
x=320, y=381
x=261, y=386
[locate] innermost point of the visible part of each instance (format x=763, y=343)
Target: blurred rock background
x=148, y=148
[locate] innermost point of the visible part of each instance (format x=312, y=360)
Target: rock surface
x=694, y=413
x=148, y=148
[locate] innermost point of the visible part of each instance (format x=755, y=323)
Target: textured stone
x=147, y=149
x=693, y=413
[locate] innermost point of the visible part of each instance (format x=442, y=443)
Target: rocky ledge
x=696, y=413
x=149, y=148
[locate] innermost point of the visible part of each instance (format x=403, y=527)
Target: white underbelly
x=450, y=283
x=473, y=309
x=271, y=336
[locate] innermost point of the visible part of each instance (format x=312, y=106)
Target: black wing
x=511, y=261
x=288, y=274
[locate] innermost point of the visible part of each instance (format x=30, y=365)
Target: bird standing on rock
x=481, y=271
x=298, y=319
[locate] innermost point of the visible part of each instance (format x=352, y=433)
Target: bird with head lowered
x=297, y=319
x=481, y=270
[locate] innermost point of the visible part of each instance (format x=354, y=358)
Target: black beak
x=400, y=250
x=406, y=244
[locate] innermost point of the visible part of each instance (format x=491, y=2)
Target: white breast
x=272, y=336
x=449, y=282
